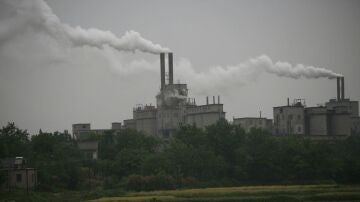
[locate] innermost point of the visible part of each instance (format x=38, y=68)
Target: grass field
x=276, y=193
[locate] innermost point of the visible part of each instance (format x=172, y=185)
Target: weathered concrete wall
x=289, y=120
x=204, y=115
x=28, y=178
x=253, y=122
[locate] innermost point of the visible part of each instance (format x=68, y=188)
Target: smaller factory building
x=339, y=117
x=247, y=123
x=84, y=135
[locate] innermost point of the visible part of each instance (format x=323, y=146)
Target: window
x=18, y=177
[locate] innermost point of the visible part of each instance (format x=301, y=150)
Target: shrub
x=149, y=183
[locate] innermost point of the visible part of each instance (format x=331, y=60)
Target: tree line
x=220, y=155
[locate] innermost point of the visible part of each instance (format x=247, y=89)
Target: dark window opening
x=18, y=177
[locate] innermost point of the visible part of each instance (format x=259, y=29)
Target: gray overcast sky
x=38, y=91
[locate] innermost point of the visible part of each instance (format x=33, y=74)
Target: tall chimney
x=213, y=99
x=338, y=87
x=207, y=100
x=218, y=99
x=162, y=70
x=342, y=88
x=288, y=101
x=171, y=74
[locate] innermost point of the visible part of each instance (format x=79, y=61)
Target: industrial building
x=338, y=118
x=89, y=146
x=247, y=123
x=173, y=108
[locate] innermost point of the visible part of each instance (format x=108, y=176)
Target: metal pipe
x=171, y=73
x=162, y=70
x=338, y=88
x=342, y=88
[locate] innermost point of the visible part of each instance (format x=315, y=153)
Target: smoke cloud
x=20, y=15
x=221, y=79
x=17, y=17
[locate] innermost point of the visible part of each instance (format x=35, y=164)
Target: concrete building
x=17, y=174
x=173, y=108
x=86, y=137
x=290, y=119
x=247, y=123
x=79, y=128
x=204, y=115
x=339, y=117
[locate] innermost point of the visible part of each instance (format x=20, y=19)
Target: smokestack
x=162, y=70
x=213, y=99
x=207, y=100
x=288, y=101
x=338, y=87
x=342, y=88
x=171, y=74
x=218, y=99
x=260, y=114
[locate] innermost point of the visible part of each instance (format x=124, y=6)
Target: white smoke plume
x=220, y=79
x=19, y=15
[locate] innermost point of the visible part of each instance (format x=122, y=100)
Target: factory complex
x=338, y=118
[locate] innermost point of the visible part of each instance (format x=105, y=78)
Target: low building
x=17, y=174
x=247, y=123
x=204, y=115
x=87, y=138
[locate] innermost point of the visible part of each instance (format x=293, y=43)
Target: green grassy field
x=276, y=193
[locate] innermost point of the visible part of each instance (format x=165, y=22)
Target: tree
x=57, y=158
x=13, y=141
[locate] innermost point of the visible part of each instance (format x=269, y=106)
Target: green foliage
x=13, y=141
x=149, y=183
x=220, y=155
x=57, y=159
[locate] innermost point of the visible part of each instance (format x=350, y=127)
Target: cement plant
x=336, y=119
